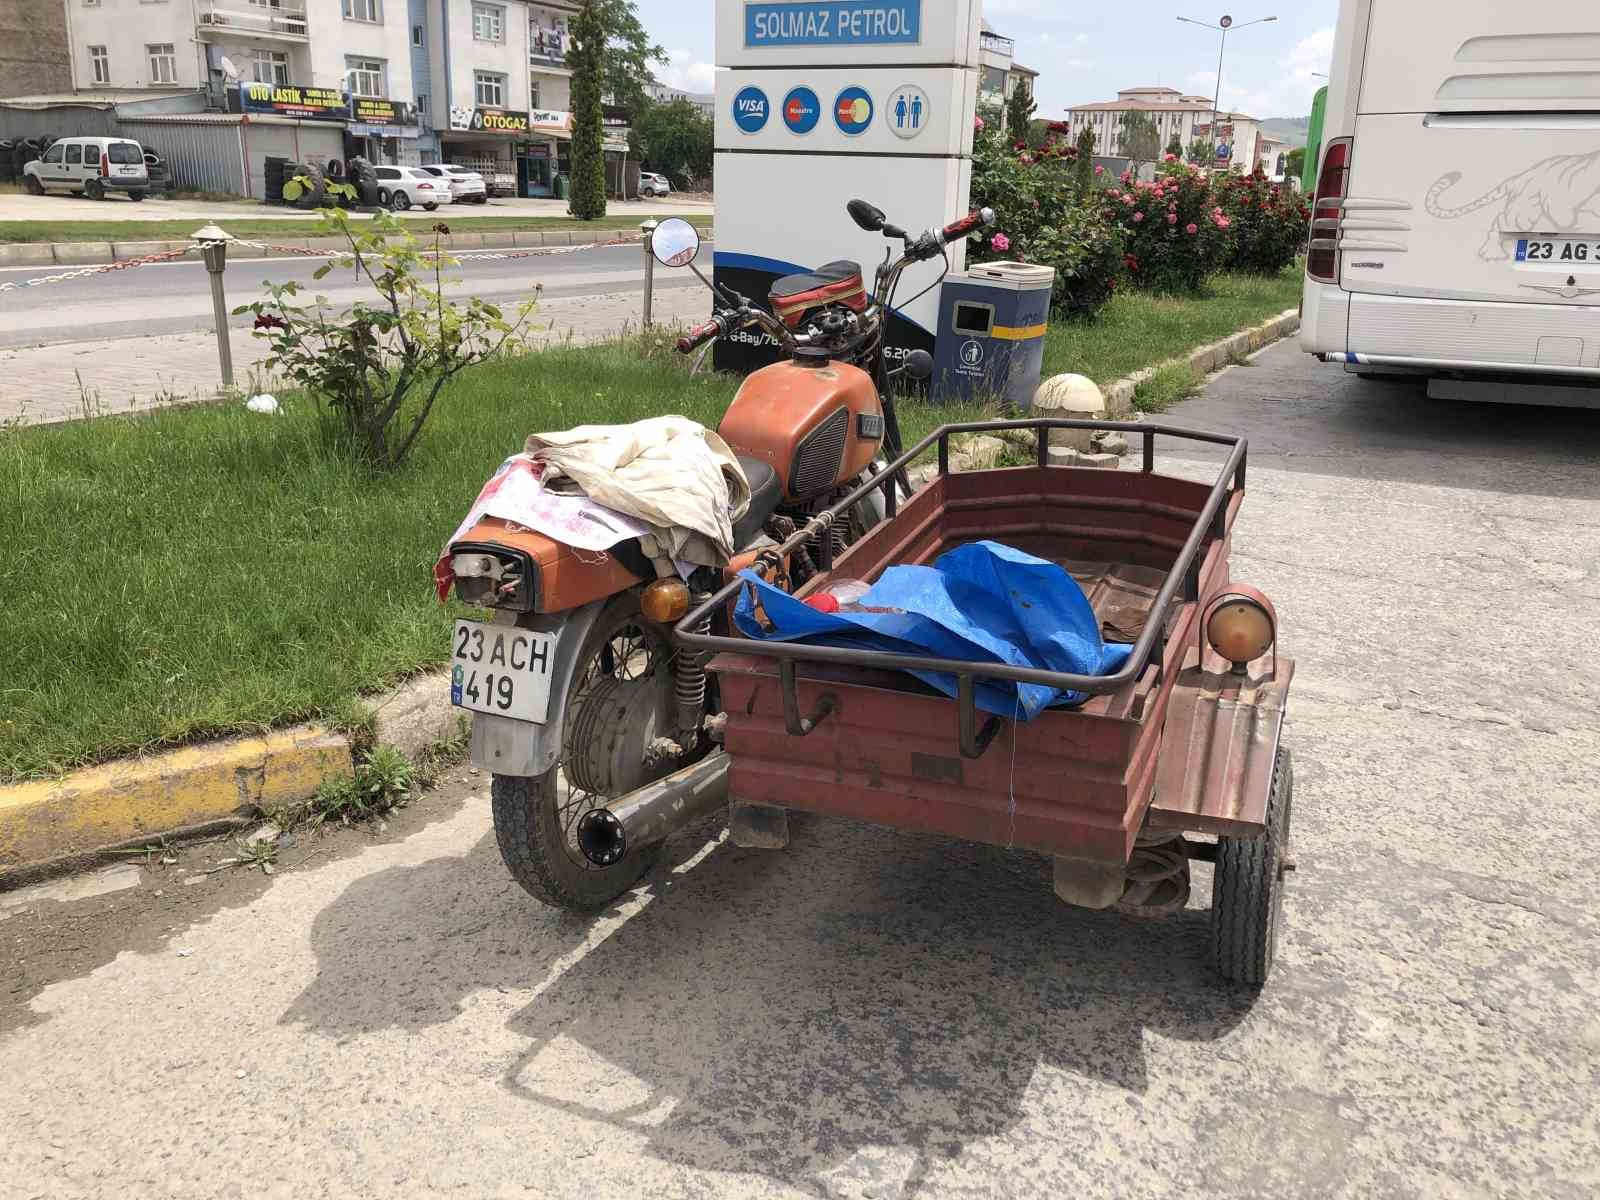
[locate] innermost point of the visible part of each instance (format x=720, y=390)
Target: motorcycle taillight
x=490, y=576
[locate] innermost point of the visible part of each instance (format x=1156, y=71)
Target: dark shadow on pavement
x=859, y=991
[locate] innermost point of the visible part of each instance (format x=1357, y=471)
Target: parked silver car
x=95, y=166
x=401, y=187
x=653, y=185
x=466, y=185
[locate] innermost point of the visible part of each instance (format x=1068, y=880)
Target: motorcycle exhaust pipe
x=649, y=814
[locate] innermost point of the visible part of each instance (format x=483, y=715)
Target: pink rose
x=1172, y=218
x=1191, y=228
x=1000, y=242
x=1099, y=170
x=1137, y=217
x=977, y=123
x=1223, y=222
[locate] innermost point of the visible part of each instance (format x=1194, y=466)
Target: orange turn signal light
x=665, y=601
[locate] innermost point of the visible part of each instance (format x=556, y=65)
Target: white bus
x=1456, y=227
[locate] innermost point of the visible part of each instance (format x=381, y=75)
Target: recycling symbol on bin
x=972, y=353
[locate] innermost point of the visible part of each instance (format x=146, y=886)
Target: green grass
x=1137, y=330
x=244, y=226
x=1172, y=382
x=204, y=570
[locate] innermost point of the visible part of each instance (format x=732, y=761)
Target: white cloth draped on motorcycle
x=673, y=474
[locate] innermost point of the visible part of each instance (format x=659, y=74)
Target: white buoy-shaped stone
x=1075, y=397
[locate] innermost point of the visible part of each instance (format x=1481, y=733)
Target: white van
x=95, y=166
x=1456, y=227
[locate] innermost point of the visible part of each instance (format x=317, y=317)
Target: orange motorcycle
x=601, y=733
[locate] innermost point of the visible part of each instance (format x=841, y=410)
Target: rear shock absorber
x=689, y=682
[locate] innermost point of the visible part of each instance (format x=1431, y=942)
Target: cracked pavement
x=875, y=1016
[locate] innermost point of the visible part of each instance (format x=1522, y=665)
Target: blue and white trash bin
x=992, y=323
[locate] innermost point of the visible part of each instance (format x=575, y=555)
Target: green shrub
x=1268, y=223
x=587, y=61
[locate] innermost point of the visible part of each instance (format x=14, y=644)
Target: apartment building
x=999, y=73
x=1187, y=118
x=498, y=91
x=401, y=81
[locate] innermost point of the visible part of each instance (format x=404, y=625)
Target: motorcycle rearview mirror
x=867, y=216
x=675, y=243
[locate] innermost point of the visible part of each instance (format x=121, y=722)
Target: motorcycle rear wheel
x=536, y=819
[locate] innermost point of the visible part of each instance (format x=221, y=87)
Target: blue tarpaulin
x=983, y=602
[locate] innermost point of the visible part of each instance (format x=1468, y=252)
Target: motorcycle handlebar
x=699, y=336
x=968, y=224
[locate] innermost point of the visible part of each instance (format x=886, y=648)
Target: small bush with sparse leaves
x=380, y=366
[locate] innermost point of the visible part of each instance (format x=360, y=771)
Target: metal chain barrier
x=99, y=269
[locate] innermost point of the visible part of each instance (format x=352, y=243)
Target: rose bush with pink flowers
x=1179, y=252
x=1048, y=212
x=1266, y=223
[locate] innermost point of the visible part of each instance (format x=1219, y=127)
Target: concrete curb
x=51, y=826
x=91, y=254
x=1205, y=359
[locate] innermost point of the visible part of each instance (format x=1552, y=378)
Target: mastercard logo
x=852, y=111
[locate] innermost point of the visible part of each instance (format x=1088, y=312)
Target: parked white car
x=401, y=187
x=653, y=185
x=95, y=166
x=466, y=185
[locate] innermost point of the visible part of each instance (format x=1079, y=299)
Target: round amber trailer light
x=665, y=601
x=1241, y=625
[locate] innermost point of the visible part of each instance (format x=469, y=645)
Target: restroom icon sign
x=909, y=111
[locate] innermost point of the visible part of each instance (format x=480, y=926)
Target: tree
x=1175, y=146
x=1297, y=163
x=1083, y=168
x=1203, y=152
x=676, y=140
x=629, y=53
x=586, y=59
x=1019, y=113
x=1139, y=137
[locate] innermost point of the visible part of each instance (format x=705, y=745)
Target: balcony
x=996, y=44
x=547, y=47
x=284, y=21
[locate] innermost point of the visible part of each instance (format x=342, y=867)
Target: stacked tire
x=316, y=194
x=365, y=180
x=274, y=170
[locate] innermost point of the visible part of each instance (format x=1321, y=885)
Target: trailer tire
x=1247, y=888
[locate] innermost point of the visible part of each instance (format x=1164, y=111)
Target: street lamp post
x=1222, y=27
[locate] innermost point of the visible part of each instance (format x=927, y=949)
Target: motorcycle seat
x=765, y=496
x=792, y=296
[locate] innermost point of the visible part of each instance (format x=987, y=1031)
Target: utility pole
x=1222, y=27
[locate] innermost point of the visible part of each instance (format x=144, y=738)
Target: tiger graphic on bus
x=1558, y=195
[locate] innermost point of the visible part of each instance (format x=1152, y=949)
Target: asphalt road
x=868, y=1015
x=176, y=297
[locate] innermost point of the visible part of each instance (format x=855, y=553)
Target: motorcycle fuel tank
x=816, y=426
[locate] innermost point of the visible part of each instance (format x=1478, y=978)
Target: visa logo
x=751, y=106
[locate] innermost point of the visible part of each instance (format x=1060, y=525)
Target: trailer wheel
x=1247, y=889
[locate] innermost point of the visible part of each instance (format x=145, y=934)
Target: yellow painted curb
x=101, y=806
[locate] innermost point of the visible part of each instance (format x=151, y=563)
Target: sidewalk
x=67, y=381
x=21, y=207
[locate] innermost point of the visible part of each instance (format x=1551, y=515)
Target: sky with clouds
x=1086, y=53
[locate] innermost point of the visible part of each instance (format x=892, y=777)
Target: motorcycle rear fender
x=509, y=747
